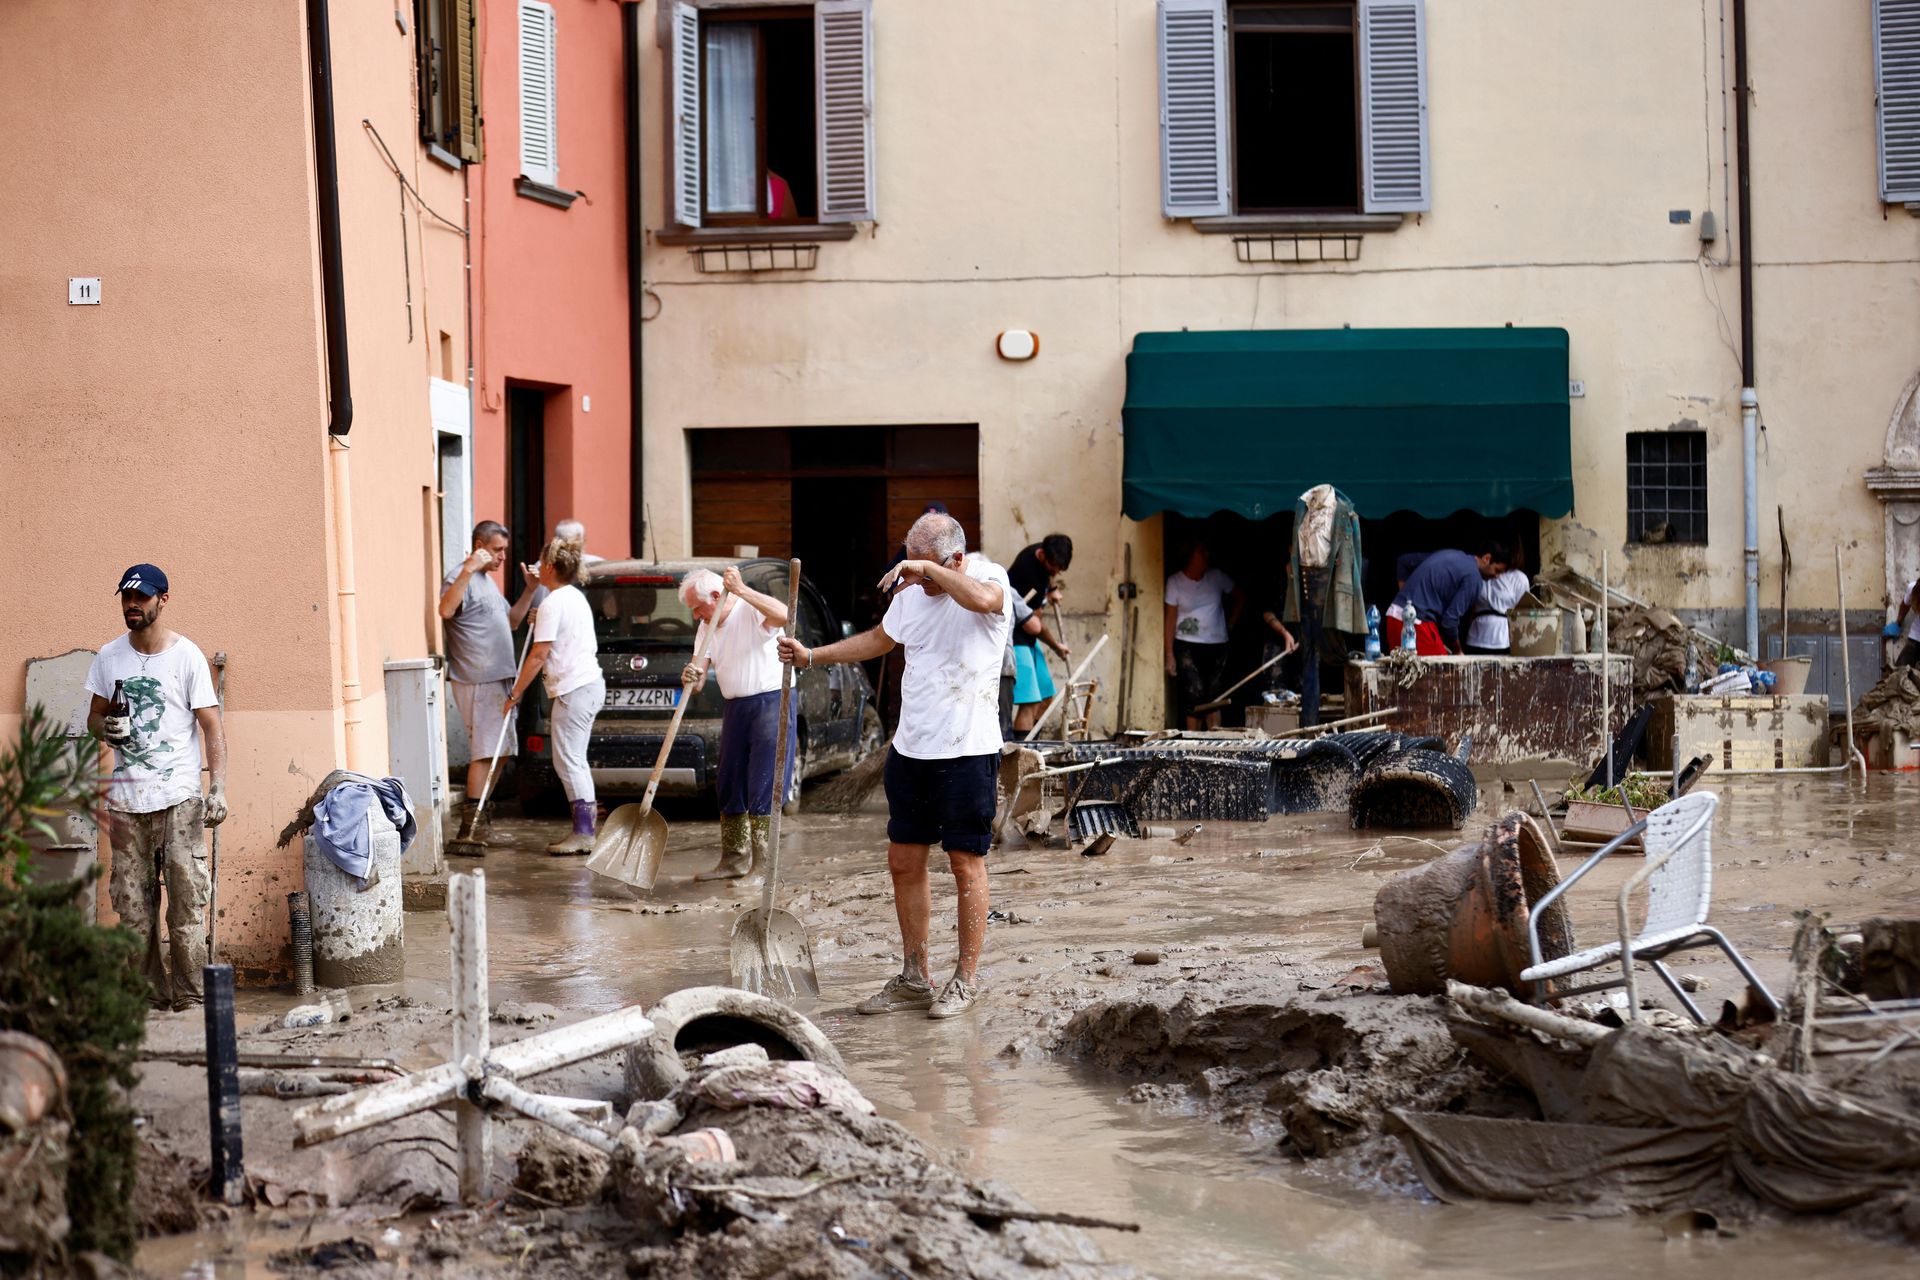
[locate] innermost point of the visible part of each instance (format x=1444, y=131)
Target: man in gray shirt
x=480, y=663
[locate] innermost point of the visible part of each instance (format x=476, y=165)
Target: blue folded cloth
x=340, y=820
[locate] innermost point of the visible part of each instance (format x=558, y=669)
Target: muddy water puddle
x=1211, y=1201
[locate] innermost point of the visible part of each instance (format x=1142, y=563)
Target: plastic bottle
x=1373, y=633
x=1409, y=620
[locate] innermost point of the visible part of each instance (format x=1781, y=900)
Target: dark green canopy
x=1432, y=421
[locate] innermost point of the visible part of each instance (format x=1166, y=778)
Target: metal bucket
x=357, y=932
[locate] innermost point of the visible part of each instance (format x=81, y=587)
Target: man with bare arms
x=952, y=615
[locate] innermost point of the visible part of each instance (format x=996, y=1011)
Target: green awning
x=1431, y=421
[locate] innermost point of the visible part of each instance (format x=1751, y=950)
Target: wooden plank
x=467, y=917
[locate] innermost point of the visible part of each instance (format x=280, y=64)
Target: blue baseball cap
x=144, y=578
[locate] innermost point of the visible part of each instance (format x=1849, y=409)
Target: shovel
x=770, y=954
x=633, y=837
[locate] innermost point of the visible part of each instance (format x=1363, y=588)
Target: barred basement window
x=1667, y=486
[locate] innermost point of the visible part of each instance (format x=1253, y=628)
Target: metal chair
x=1678, y=873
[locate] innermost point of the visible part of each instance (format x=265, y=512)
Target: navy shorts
x=945, y=802
x=745, y=776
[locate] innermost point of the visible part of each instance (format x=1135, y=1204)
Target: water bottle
x=1373, y=633
x=1409, y=620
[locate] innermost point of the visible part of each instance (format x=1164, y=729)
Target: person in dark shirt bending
x=1442, y=589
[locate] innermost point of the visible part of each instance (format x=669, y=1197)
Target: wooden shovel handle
x=780, y=749
x=680, y=708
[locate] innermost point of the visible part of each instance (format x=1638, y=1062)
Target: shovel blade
x=771, y=955
x=629, y=846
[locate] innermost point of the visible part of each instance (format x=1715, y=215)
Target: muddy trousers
x=572, y=722
x=1313, y=588
x=169, y=843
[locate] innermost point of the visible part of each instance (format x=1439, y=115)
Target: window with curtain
x=758, y=116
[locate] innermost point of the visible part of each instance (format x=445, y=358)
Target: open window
x=449, y=78
x=772, y=114
x=1293, y=106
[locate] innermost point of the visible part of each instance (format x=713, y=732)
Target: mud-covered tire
x=703, y=1019
x=798, y=774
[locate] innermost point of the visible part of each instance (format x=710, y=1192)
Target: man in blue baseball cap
x=153, y=702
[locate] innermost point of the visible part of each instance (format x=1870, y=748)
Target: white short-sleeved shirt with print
x=160, y=765
x=1202, y=616
x=950, y=686
x=566, y=622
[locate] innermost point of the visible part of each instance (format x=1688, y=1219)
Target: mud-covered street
x=1098, y=1116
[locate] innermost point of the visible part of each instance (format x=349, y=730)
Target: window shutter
x=685, y=57
x=843, y=47
x=1393, y=106
x=466, y=82
x=1193, y=109
x=539, y=92
x=1896, y=84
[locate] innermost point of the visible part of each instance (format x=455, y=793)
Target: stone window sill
x=1290, y=224
x=555, y=196
x=773, y=233
x=440, y=155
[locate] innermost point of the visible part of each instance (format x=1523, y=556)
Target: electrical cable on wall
x=411, y=190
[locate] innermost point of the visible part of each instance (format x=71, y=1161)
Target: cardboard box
x=1273, y=719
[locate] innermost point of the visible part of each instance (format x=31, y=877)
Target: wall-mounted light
x=1018, y=344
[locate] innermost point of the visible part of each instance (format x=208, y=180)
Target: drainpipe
x=326, y=176
x=1749, y=398
x=636, y=298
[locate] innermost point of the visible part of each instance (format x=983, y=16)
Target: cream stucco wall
x=1018, y=186
x=183, y=421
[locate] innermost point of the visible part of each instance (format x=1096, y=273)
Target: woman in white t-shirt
x=1203, y=605
x=567, y=652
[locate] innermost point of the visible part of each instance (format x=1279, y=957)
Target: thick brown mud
x=1067, y=1115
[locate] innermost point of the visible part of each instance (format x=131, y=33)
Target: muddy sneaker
x=955, y=998
x=899, y=995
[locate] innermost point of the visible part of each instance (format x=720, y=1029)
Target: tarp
x=1431, y=421
x=1656, y=1122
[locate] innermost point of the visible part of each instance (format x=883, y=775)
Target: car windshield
x=640, y=608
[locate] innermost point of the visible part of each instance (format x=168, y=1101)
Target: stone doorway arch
x=1896, y=482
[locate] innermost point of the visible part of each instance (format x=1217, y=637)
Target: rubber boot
x=762, y=827
x=581, y=840
x=736, y=850
x=466, y=833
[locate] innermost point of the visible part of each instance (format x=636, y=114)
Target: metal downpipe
x=1750, y=467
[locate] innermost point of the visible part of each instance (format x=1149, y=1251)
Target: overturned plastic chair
x=1678, y=873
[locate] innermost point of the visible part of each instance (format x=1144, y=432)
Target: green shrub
x=73, y=985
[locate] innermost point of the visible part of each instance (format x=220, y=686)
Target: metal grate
x=1314, y=248
x=717, y=258
x=1667, y=486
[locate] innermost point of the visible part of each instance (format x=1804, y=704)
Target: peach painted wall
x=552, y=283
x=183, y=421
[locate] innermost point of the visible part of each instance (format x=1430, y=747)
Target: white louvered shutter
x=685, y=57
x=1896, y=85
x=1193, y=109
x=539, y=94
x=1393, y=106
x=843, y=45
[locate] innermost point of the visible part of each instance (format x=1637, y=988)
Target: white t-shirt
x=746, y=654
x=1202, y=616
x=160, y=765
x=566, y=620
x=1500, y=594
x=950, y=686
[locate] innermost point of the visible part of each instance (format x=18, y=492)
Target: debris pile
x=1894, y=703
x=1643, y=1118
x=817, y=1185
x=1658, y=642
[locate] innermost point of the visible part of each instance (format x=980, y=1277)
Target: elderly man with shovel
x=952, y=615
x=743, y=654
